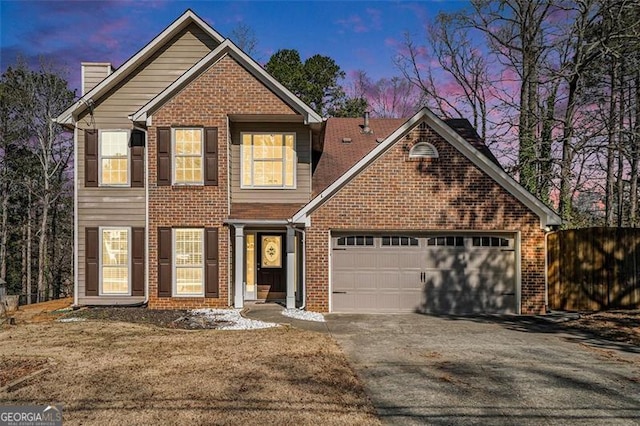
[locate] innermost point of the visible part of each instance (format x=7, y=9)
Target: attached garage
x=442, y=273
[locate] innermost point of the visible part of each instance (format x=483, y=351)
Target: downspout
x=546, y=270
x=146, y=214
x=75, y=214
x=230, y=251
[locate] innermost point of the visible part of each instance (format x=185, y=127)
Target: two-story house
x=200, y=181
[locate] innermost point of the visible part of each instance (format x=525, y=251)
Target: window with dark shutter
x=137, y=261
x=164, y=156
x=91, y=158
x=137, y=143
x=91, y=261
x=211, y=156
x=211, y=262
x=164, y=262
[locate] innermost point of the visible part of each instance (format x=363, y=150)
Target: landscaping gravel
x=303, y=315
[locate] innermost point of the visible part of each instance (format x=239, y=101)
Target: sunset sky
x=357, y=34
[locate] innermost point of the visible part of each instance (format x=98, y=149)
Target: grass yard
x=106, y=372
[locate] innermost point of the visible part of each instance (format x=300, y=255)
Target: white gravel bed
x=72, y=319
x=303, y=315
x=232, y=317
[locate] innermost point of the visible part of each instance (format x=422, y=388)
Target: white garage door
x=444, y=274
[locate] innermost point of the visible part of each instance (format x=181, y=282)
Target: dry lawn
x=618, y=326
x=121, y=373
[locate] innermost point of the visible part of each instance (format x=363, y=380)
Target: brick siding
x=447, y=193
x=225, y=88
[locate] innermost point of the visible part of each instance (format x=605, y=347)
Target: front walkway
x=272, y=312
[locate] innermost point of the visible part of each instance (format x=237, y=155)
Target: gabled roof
x=337, y=156
x=228, y=48
x=547, y=216
x=186, y=19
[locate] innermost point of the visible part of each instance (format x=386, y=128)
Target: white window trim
x=173, y=156
x=295, y=162
x=111, y=185
x=174, y=267
x=129, y=258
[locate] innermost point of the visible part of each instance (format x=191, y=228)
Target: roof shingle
x=338, y=156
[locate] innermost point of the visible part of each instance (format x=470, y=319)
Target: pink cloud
x=357, y=24
x=109, y=33
x=353, y=23
x=391, y=42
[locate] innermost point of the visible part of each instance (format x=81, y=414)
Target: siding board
x=126, y=206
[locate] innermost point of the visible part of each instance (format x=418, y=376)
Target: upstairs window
x=268, y=160
x=187, y=156
x=114, y=158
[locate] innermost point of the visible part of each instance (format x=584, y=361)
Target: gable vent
x=423, y=150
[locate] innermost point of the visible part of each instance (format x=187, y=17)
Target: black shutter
x=164, y=156
x=91, y=243
x=91, y=158
x=137, y=261
x=164, y=262
x=211, y=262
x=137, y=144
x=211, y=156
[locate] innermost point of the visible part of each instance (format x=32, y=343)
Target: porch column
x=239, y=267
x=291, y=264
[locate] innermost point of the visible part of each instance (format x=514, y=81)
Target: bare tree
x=393, y=97
x=42, y=151
x=245, y=38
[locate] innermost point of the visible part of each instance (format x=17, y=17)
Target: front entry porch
x=265, y=263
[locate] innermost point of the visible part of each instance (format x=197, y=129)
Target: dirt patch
x=617, y=326
x=42, y=312
x=13, y=368
x=124, y=373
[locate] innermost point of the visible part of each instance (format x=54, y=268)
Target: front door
x=271, y=266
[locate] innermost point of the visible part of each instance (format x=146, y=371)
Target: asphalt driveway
x=420, y=369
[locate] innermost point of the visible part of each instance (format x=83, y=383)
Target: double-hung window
x=114, y=267
x=268, y=160
x=188, y=244
x=114, y=158
x=187, y=156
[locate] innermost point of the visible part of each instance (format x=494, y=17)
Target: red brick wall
x=448, y=193
x=225, y=88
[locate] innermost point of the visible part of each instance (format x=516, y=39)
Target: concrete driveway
x=420, y=369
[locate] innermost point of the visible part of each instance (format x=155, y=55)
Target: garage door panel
x=443, y=258
x=495, y=258
x=345, y=280
x=432, y=279
x=444, y=279
x=467, y=302
x=490, y=282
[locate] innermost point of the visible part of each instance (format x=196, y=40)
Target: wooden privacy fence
x=594, y=268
